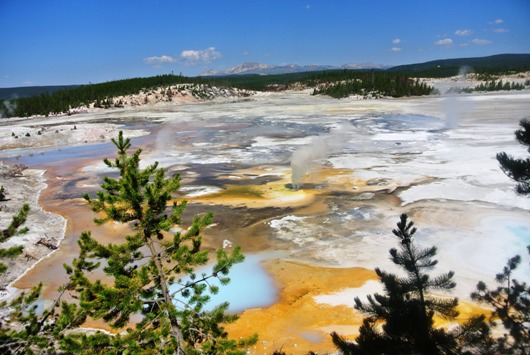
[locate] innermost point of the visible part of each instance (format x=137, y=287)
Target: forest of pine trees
x=378, y=83
x=338, y=83
x=494, y=85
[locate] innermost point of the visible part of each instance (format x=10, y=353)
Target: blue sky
x=52, y=42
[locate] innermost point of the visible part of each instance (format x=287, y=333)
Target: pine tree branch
x=49, y=312
x=189, y=285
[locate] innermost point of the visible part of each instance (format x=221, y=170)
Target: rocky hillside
x=174, y=93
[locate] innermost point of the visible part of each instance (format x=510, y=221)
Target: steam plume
x=320, y=148
x=453, y=106
x=8, y=107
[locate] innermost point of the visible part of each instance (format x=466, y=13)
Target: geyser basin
x=386, y=166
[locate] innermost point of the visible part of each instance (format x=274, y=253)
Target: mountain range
x=270, y=69
x=436, y=68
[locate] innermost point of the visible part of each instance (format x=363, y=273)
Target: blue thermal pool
x=250, y=285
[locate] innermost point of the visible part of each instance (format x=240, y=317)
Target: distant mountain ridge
x=28, y=91
x=271, y=69
x=435, y=68
x=452, y=67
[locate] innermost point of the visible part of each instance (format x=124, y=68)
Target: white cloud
x=501, y=30
x=395, y=49
x=444, y=42
x=396, y=41
x=159, y=60
x=465, y=32
x=197, y=57
x=498, y=21
x=480, y=42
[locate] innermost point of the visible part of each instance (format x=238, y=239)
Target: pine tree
x=150, y=276
x=511, y=305
x=407, y=308
x=518, y=169
x=148, y=268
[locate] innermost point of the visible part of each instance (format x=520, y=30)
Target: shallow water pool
x=250, y=285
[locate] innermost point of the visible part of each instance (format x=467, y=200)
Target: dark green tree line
x=364, y=82
x=494, y=85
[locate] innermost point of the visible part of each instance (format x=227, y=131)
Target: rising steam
x=453, y=106
x=321, y=147
x=452, y=110
x=8, y=107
